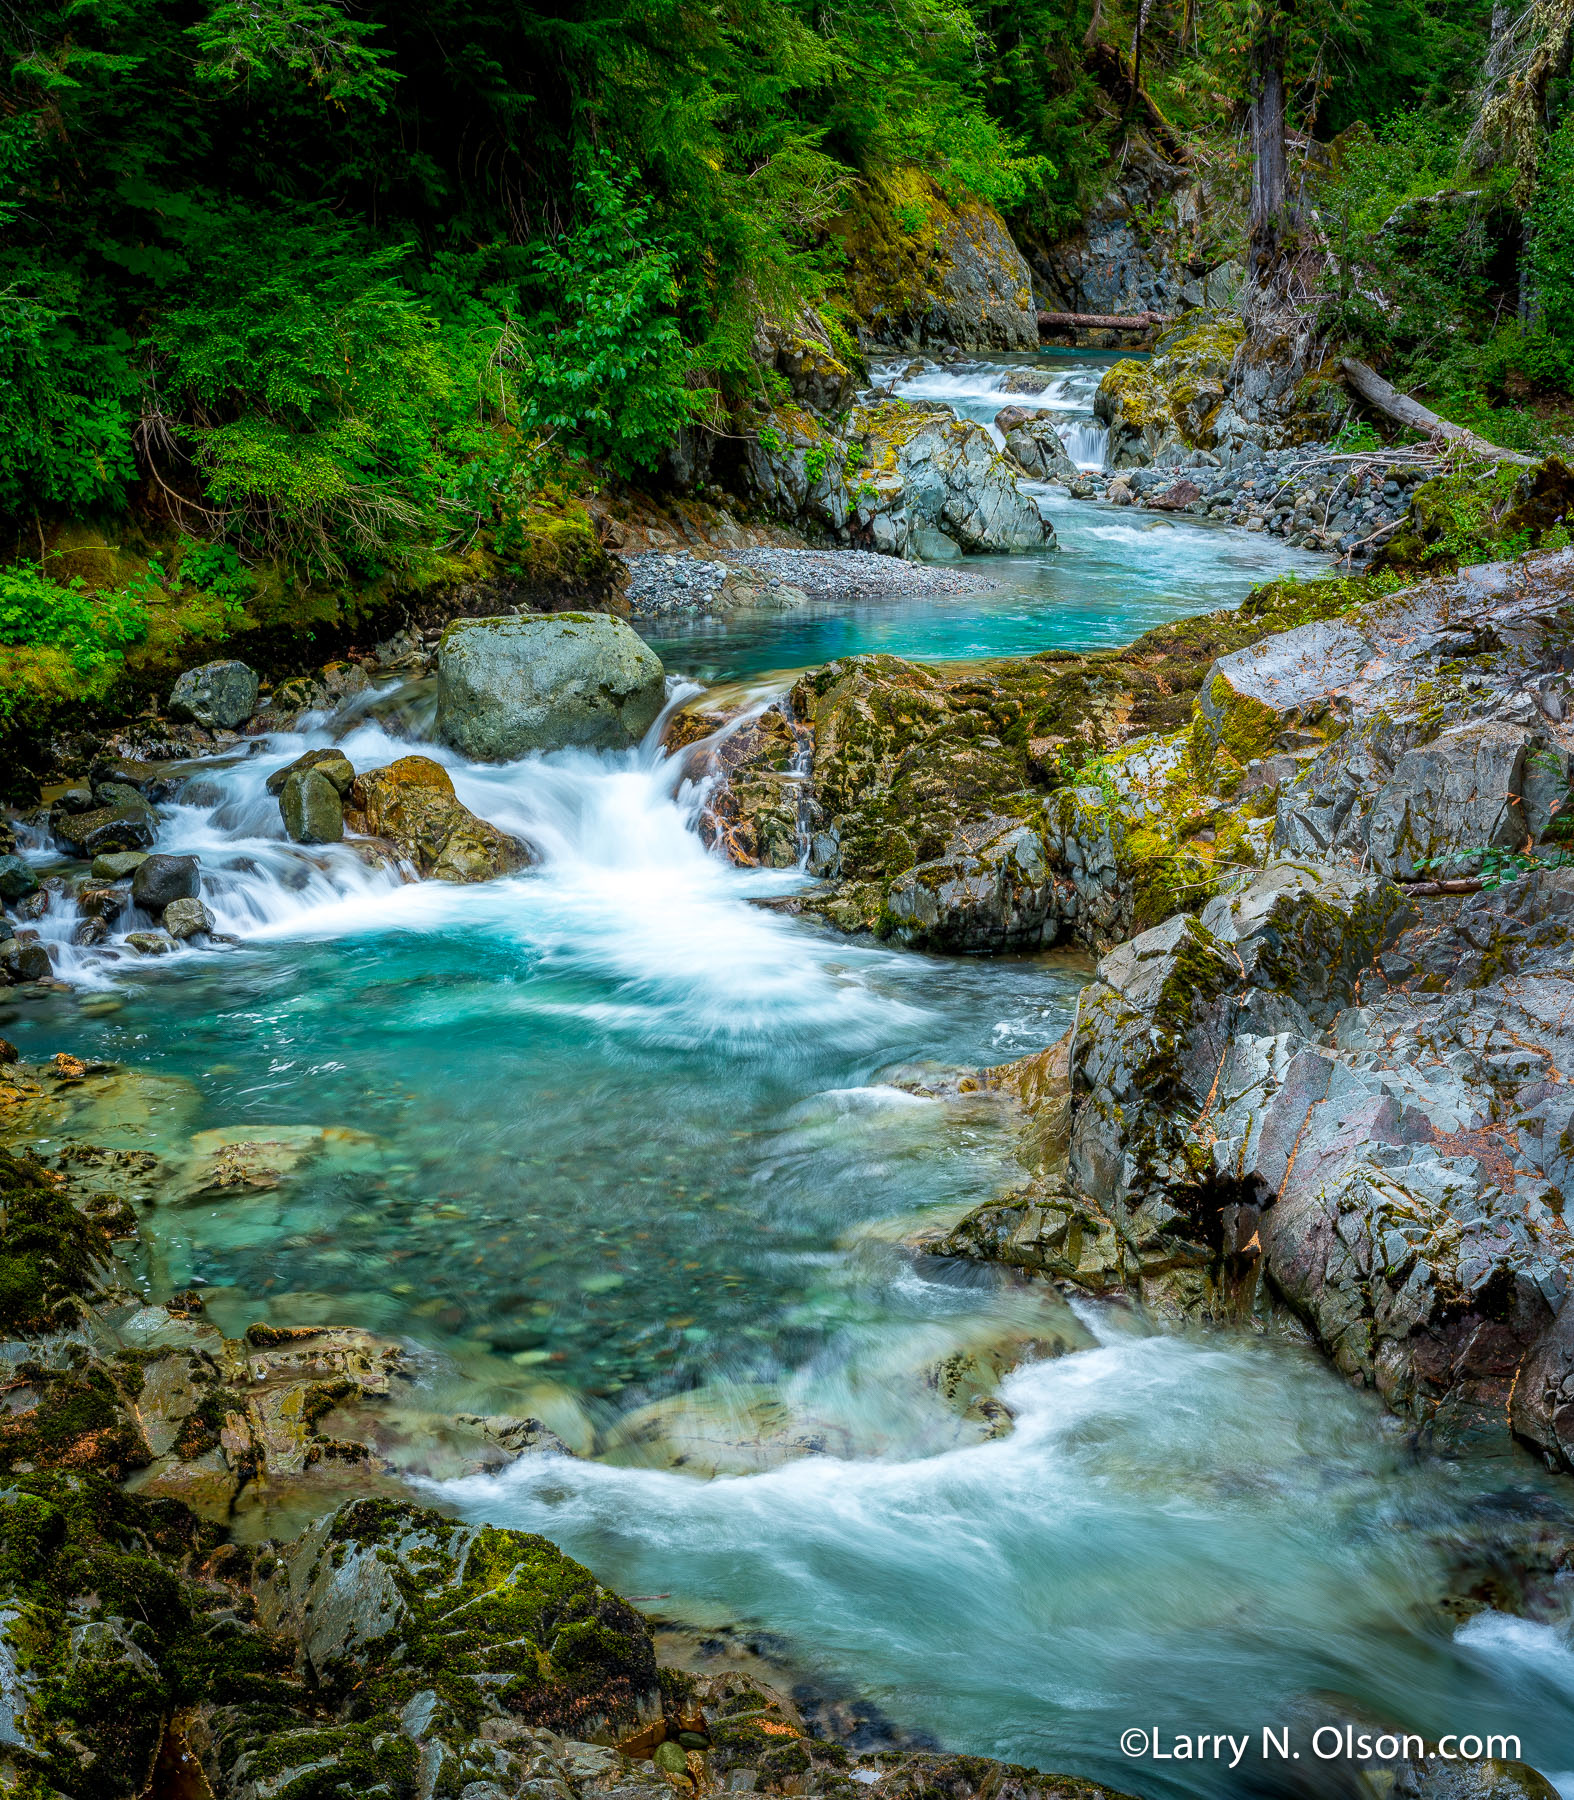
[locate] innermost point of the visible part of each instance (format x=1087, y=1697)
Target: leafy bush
x=92, y=629
x=602, y=366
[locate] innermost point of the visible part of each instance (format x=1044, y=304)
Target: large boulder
x=157, y=880
x=312, y=807
x=412, y=804
x=219, y=695
x=1035, y=444
x=119, y=820
x=1172, y=398
x=508, y=686
x=899, y=478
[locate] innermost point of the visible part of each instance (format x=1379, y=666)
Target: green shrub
x=92, y=629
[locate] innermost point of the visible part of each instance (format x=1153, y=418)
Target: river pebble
x=662, y=583
x=1312, y=496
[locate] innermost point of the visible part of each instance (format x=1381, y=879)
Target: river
x=620, y=1149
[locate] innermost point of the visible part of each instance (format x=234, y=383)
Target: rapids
x=619, y=1148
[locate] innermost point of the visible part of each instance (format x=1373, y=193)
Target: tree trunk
x=1267, y=217
x=1093, y=25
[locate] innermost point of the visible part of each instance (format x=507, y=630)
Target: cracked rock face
x=897, y=478
x=1317, y=1084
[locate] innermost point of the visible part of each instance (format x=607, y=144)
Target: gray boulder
x=219, y=695
x=508, y=686
x=159, y=879
x=17, y=879
x=899, y=478
x=1037, y=447
x=312, y=806
x=187, y=919
x=127, y=822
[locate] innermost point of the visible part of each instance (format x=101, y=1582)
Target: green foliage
x=1496, y=866
x=603, y=361
x=1551, y=223
x=240, y=40
x=92, y=629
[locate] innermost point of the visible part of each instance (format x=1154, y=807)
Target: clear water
x=1115, y=574
x=620, y=1148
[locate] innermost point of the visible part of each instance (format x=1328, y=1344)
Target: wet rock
x=219, y=695
x=185, y=919
x=412, y=804
x=116, y=865
x=508, y=686
x=312, y=806
x=126, y=822
x=106, y=903
x=1036, y=445
x=17, y=879
x=332, y=763
x=150, y=943
x=25, y=959
x=159, y=879
x=1292, y=1099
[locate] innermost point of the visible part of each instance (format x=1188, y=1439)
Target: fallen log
x=1059, y=321
x=1405, y=411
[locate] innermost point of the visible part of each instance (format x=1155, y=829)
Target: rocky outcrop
x=508, y=686
x=1173, y=398
x=411, y=804
x=1011, y=806
x=923, y=271
x=1444, y=712
x=895, y=477
x=1294, y=1099
x=1338, y=1093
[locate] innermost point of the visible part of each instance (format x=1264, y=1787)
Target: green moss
x=50, y=1253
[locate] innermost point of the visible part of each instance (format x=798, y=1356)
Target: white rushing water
x=978, y=390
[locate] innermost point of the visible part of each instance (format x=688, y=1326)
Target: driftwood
x=1436, y=890
x=1057, y=321
x=1400, y=407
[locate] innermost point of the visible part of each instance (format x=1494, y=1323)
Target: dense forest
x=321, y=288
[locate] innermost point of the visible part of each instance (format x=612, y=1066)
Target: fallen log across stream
x=1062, y=321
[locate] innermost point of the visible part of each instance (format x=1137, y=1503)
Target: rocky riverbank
x=1347, y=841
x=779, y=580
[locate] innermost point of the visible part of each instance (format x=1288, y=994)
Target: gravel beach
x=660, y=583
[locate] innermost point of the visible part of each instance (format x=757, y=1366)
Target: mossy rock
x=102, y=1639
x=51, y=1255
x=388, y=1600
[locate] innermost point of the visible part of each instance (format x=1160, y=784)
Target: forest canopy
x=322, y=279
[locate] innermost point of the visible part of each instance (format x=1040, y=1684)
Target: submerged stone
x=16, y=878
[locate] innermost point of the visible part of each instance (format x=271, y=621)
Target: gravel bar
x=660, y=582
